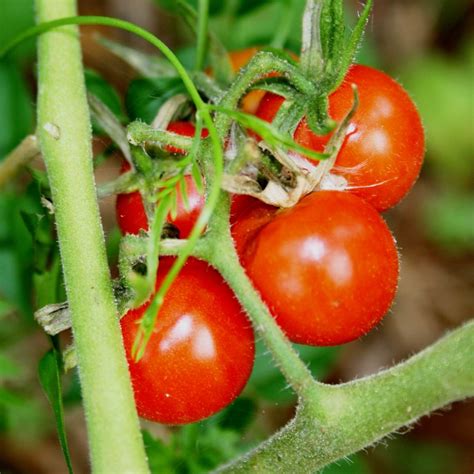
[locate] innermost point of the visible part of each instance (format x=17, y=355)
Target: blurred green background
x=428, y=45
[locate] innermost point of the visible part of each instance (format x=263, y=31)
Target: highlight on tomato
x=201, y=352
x=327, y=268
x=383, y=152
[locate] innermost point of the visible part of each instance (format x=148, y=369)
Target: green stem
x=262, y=64
x=355, y=415
x=64, y=133
x=18, y=158
x=140, y=133
x=203, y=21
x=222, y=255
x=312, y=58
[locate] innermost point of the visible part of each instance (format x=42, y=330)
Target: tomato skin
x=130, y=212
x=327, y=268
x=201, y=353
x=131, y=216
x=186, y=129
x=247, y=216
x=383, y=153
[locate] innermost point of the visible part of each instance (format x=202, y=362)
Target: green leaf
x=48, y=284
x=8, y=368
x=16, y=107
x=197, y=448
x=218, y=58
x=16, y=16
x=145, y=96
x=47, y=276
x=106, y=93
x=106, y=122
x=248, y=23
x=50, y=377
x=147, y=65
x=20, y=415
x=16, y=249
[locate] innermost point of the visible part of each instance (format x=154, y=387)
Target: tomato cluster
x=327, y=268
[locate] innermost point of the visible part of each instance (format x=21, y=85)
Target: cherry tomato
x=131, y=215
x=327, y=268
x=383, y=152
x=201, y=352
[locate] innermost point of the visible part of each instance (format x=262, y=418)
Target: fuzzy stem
x=64, y=132
x=221, y=253
x=312, y=60
x=140, y=133
x=18, y=158
x=262, y=64
x=355, y=415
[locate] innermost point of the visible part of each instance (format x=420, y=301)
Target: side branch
x=355, y=415
x=18, y=158
x=140, y=133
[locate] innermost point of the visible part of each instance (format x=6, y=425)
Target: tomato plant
x=383, y=152
x=320, y=270
x=201, y=352
x=327, y=268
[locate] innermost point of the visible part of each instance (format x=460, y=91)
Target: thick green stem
x=355, y=415
x=64, y=132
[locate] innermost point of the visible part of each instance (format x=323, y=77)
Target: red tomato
x=383, y=152
x=186, y=129
x=327, y=268
x=201, y=353
x=131, y=216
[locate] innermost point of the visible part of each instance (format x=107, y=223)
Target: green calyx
x=327, y=53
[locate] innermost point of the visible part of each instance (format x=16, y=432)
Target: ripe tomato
x=327, y=268
x=201, y=352
x=131, y=216
x=383, y=152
